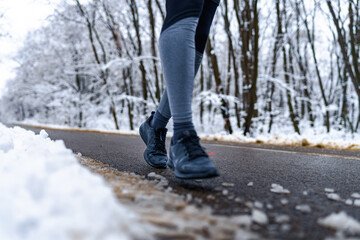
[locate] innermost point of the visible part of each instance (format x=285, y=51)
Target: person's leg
x=195, y=163
x=177, y=52
x=163, y=113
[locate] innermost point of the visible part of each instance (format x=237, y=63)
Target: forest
x=269, y=66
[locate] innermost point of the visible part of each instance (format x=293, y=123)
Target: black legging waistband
x=202, y=9
x=180, y=9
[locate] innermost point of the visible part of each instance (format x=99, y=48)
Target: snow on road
x=174, y=216
x=277, y=188
x=341, y=222
x=46, y=194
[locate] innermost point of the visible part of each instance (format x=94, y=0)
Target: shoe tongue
x=189, y=133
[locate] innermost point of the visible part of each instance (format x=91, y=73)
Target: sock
x=158, y=121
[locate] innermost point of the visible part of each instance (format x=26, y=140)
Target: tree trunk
x=219, y=88
x=135, y=19
x=293, y=117
x=153, y=50
x=312, y=45
x=232, y=58
x=247, y=18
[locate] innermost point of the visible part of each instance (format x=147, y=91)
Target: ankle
x=158, y=121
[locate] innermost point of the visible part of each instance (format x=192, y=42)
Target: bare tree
x=153, y=49
x=293, y=116
x=320, y=81
x=90, y=23
x=248, y=22
x=353, y=69
x=136, y=24
x=232, y=59
x=113, y=27
x=219, y=87
x=302, y=63
x=100, y=58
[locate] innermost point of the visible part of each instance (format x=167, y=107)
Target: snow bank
x=309, y=138
x=46, y=194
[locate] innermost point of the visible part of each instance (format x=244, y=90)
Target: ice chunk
x=258, y=204
x=349, y=202
x=329, y=190
x=259, y=217
x=333, y=196
x=250, y=184
x=225, y=184
x=355, y=195
x=282, y=218
x=160, y=180
x=303, y=208
x=341, y=221
x=43, y=134
x=189, y=197
x=243, y=220
x=357, y=203
x=285, y=227
x=277, y=188
x=238, y=200
x=284, y=201
x=210, y=197
x=305, y=193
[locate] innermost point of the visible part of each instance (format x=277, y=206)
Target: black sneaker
x=155, y=153
x=188, y=159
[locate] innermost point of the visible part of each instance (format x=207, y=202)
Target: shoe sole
x=145, y=156
x=210, y=174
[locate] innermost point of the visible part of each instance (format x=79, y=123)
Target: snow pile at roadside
x=46, y=194
x=310, y=138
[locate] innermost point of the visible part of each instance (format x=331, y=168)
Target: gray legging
x=181, y=44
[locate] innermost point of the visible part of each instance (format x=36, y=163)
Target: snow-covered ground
x=46, y=194
x=310, y=138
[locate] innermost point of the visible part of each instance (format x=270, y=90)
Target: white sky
x=20, y=17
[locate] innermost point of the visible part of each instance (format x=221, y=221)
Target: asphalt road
x=296, y=169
